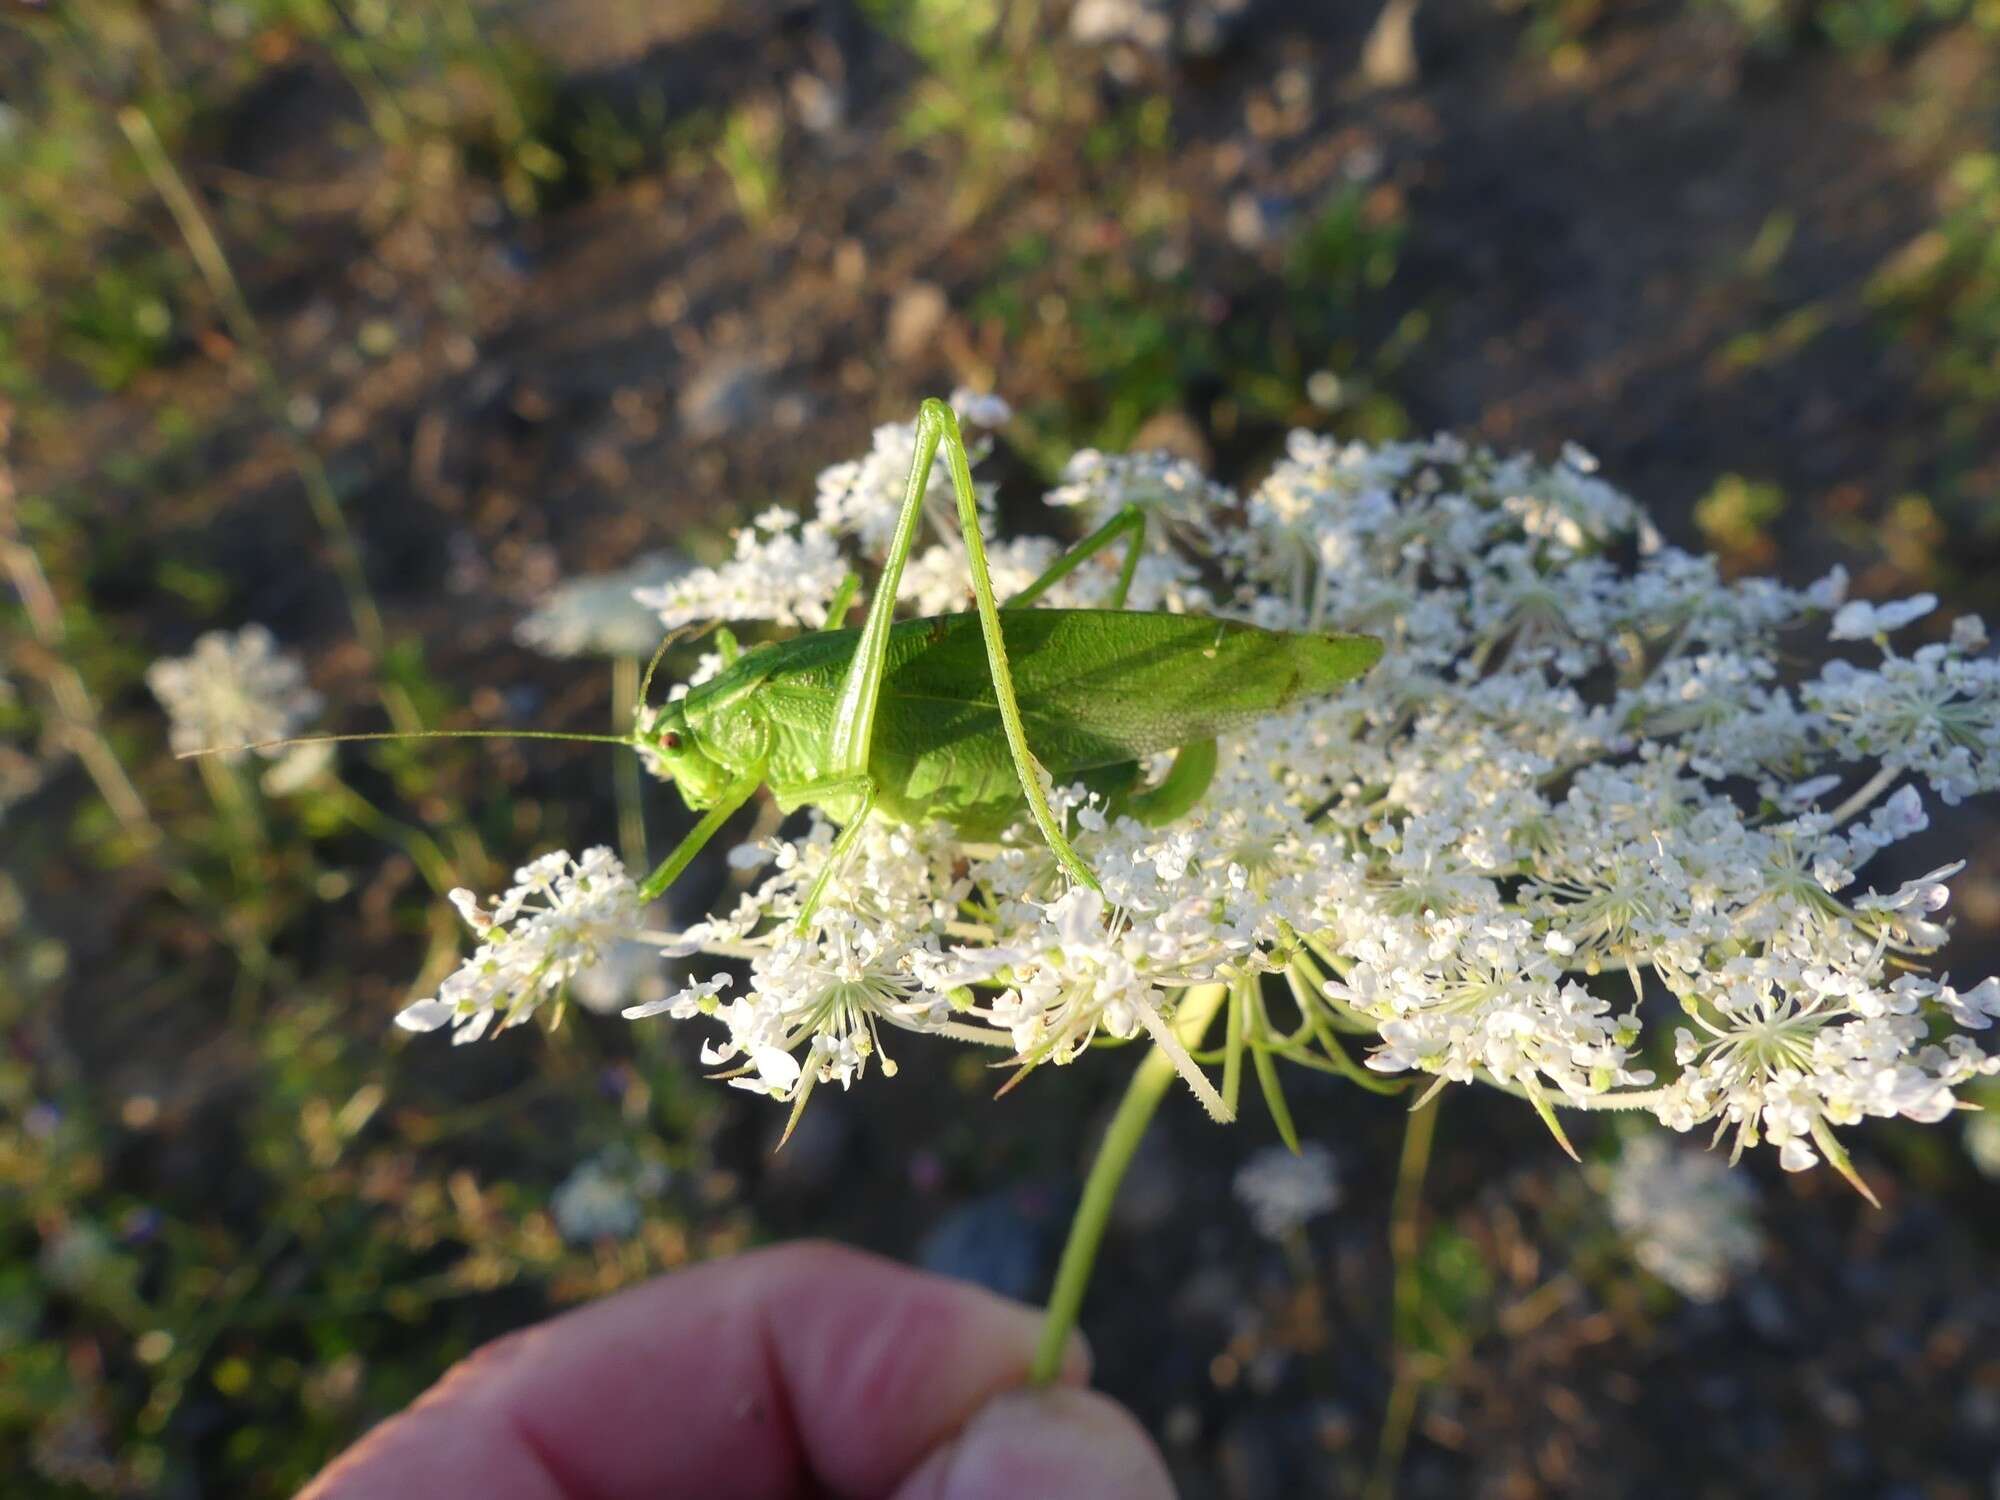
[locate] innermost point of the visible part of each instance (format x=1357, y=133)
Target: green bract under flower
x=1583, y=834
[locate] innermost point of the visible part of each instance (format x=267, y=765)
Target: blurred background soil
x=537, y=288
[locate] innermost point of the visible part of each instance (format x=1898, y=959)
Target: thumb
x=1060, y=1444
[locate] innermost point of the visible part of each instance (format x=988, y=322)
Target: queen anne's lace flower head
x=561, y=917
x=231, y=691
x=1585, y=834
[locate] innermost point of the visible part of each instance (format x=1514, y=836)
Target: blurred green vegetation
x=1863, y=29
x=1942, y=292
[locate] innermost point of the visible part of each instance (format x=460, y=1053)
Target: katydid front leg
x=669, y=869
x=853, y=735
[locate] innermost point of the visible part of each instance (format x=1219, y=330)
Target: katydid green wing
x=1096, y=688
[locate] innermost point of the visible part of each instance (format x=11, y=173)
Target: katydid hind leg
x=852, y=738
x=853, y=734
x=938, y=416
x=1174, y=796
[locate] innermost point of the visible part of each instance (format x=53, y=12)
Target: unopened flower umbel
x=1584, y=834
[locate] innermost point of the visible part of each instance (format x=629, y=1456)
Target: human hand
x=807, y=1370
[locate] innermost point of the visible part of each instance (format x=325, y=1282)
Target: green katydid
x=925, y=719
x=963, y=717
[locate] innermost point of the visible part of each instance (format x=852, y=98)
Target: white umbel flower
x=782, y=572
x=232, y=691
x=1586, y=833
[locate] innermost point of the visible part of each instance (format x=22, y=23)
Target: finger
x=752, y=1378
x=1054, y=1445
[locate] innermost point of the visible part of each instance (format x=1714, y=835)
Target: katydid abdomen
x=1098, y=690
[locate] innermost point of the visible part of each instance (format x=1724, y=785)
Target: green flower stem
x=423, y=850
x=238, y=808
x=1100, y=1190
x=205, y=249
x=1405, y=1246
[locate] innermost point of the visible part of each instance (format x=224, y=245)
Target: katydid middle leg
x=1129, y=524
x=861, y=787
x=1193, y=768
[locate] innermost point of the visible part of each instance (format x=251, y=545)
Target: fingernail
x=1052, y=1444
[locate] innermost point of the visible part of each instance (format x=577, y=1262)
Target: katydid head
x=672, y=752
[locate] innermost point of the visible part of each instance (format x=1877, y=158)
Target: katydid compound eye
x=671, y=740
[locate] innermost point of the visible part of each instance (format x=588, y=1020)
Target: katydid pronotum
x=967, y=717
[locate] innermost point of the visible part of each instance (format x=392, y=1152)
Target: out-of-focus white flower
x=1141, y=23
x=298, y=768
x=1858, y=620
x=593, y=1205
x=981, y=408
x=75, y=1255
x=1284, y=1192
x=232, y=691
x=601, y=615
x=604, y=1197
x=1687, y=1218
x=559, y=918
x=1982, y=1141
x=629, y=973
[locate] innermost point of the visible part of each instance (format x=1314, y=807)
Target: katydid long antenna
x=412, y=734
x=672, y=638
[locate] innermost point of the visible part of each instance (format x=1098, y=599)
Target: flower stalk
x=1149, y=1085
